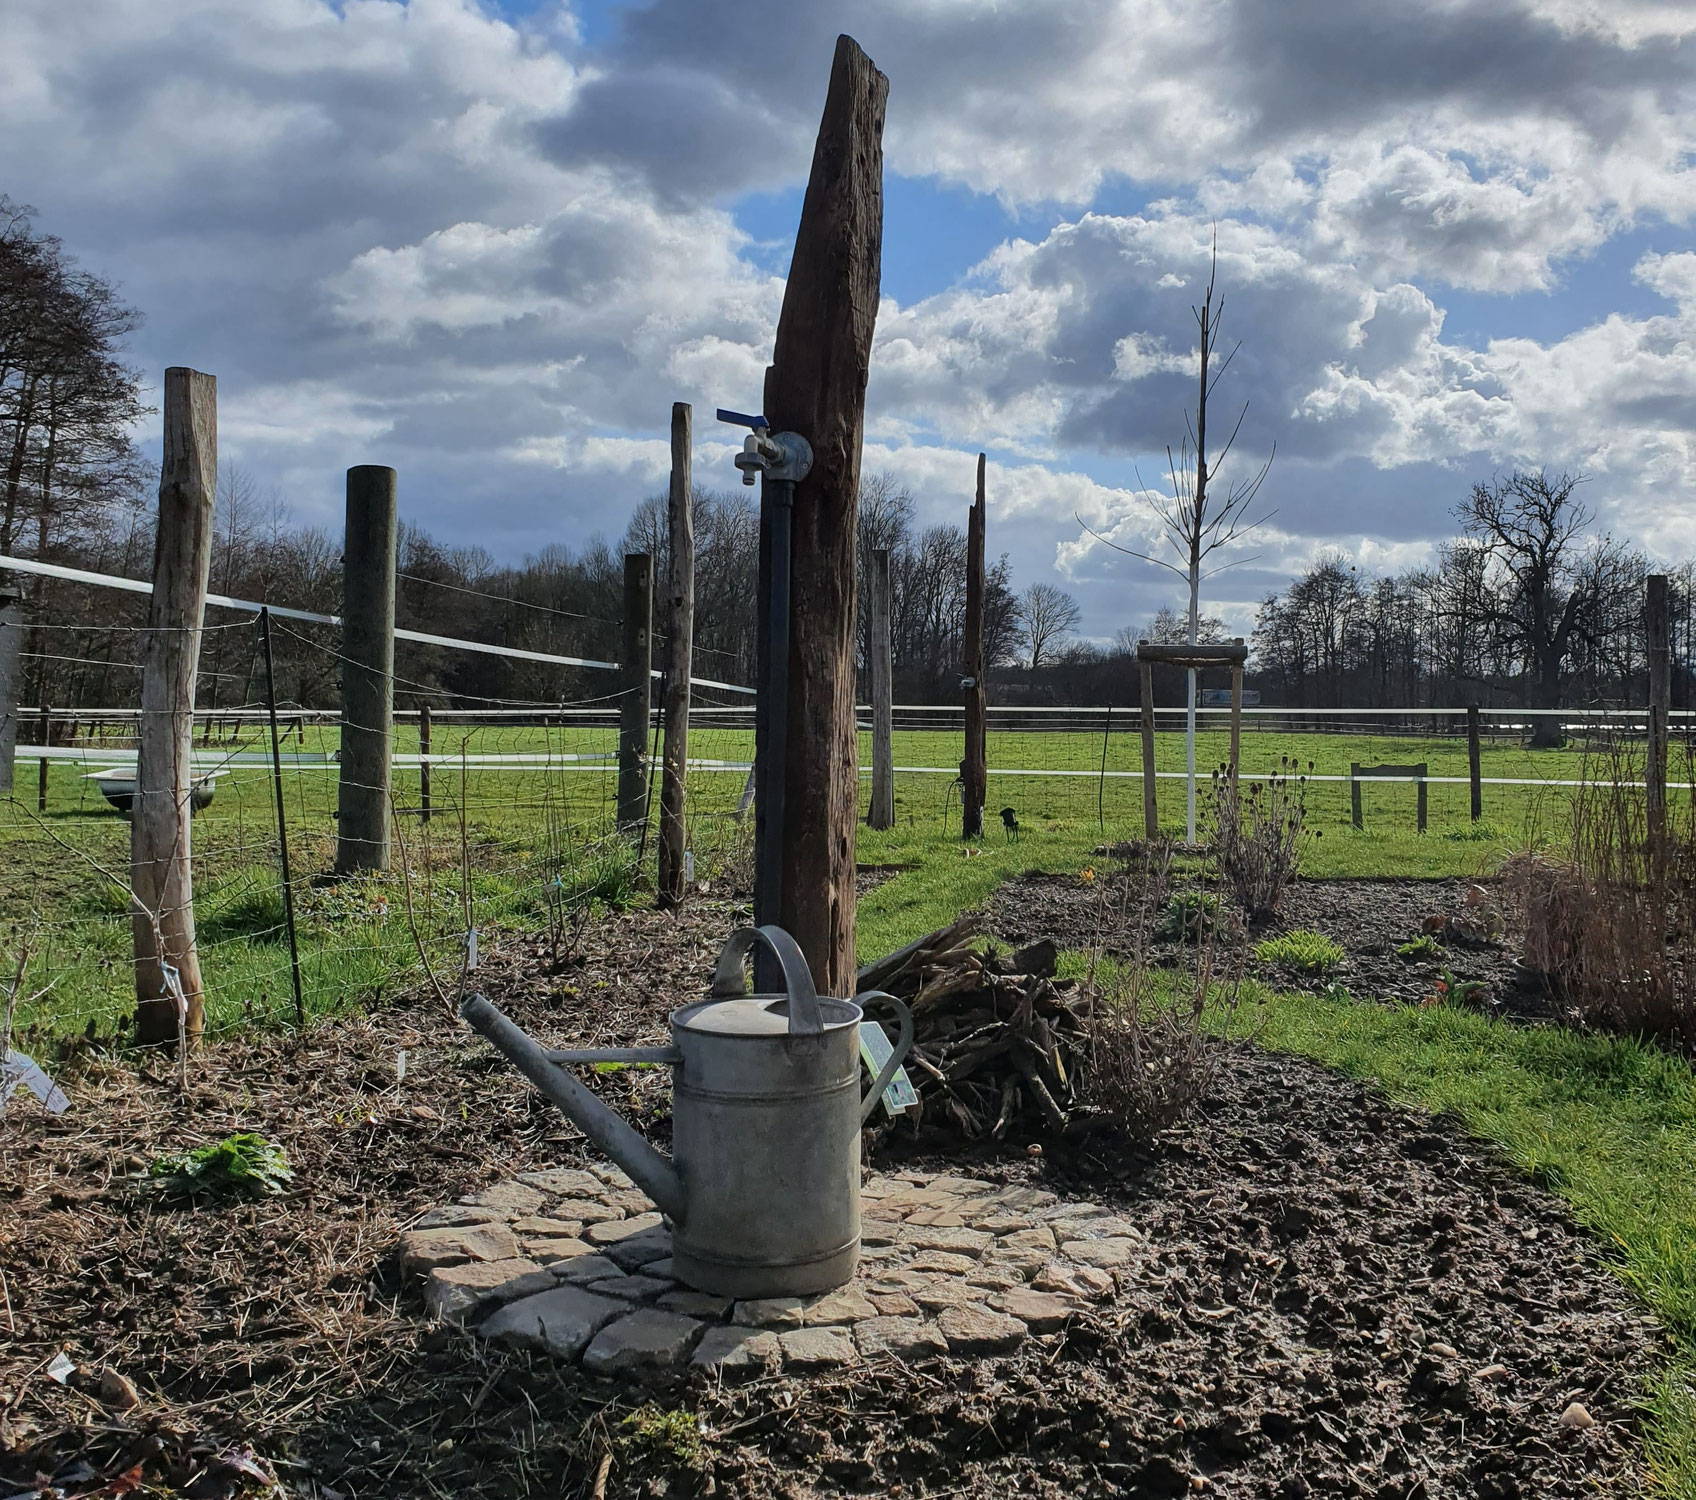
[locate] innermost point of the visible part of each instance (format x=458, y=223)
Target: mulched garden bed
x=1370, y=918
x=1348, y=1298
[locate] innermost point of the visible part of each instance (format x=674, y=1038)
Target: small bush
x=1425, y=946
x=1257, y=835
x=670, y=1437
x=1307, y=952
x=1190, y=916
x=239, y=1166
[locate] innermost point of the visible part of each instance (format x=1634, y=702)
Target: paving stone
x=456, y=1213
x=588, y=1210
x=995, y=1276
x=1018, y=1200
x=547, y=1224
x=1106, y=1254
x=944, y=1261
x=695, y=1304
x=880, y=1187
x=768, y=1312
x=1023, y=1263
x=561, y=1321
x=901, y=1281
x=612, y=1176
x=817, y=1348
x=551, y=1249
x=585, y=1268
x=647, y=1339
x=567, y=1180
x=1070, y=1210
x=453, y=1293
x=631, y=1288
x=661, y=1267
x=632, y=1200
x=938, y=1218
x=1041, y=1312
x=998, y=1221
x=425, y=1249
x=894, y=1304
x=904, y=1338
x=914, y=1199
x=961, y=1241
x=1039, y=1238
x=1074, y=1281
x=965, y=1186
x=736, y=1349
x=1109, y=1226
x=876, y=1232
x=847, y=1304
x=878, y=1213
x=947, y=1291
x=512, y=1199
x=620, y=1229
x=973, y=1332
x=633, y=1250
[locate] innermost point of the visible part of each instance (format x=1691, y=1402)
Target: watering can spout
x=648, y=1169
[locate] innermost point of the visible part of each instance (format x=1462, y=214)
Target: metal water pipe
x=781, y=460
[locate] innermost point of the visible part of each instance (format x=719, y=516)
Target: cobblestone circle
x=578, y=1263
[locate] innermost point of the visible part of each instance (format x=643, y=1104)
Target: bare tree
x=1199, y=520
x=1049, y=615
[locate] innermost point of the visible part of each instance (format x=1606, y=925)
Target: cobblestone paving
x=578, y=1263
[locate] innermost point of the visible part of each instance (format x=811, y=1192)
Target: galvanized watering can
x=763, y=1186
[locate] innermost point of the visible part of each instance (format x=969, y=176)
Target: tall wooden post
x=424, y=727
x=1658, y=619
x=636, y=701
x=679, y=660
x=974, y=769
x=161, y=873
x=11, y=681
x=1150, y=792
x=816, y=386
x=368, y=670
x=882, y=811
x=1474, y=762
x=1236, y=715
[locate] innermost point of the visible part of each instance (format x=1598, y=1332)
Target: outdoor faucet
x=785, y=456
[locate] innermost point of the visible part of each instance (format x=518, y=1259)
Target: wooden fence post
x=44, y=733
x=1658, y=620
x=816, y=387
x=974, y=770
x=167, y=967
x=424, y=727
x=679, y=659
x=882, y=811
x=635, y=705
x=11, y=681
x=1355, y=815
x=368, y=670
x=1474, y=762
x=1236, y=715
x=1150, y=792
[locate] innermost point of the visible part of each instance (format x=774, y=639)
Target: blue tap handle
x=741, y=419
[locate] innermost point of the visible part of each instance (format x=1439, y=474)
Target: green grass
x=1308, y=952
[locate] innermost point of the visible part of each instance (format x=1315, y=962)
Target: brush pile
x=999, y=1043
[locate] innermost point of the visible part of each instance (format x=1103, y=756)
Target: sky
x=490, y=242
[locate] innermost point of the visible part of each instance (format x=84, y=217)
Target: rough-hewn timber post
x=974, y=778
x=679, y=660
x=424, y=727
x=161, y=873
x=11, y=681
x=1236, y=716
x=881, y=814
x=1474, y=763
x=816, y=386
x=368, y=670
x=636, y=701
x=1658, y=620
x=1150, y=792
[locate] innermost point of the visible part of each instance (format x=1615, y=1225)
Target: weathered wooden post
x=816, y=387
x=11, y=681
x=636, y=700
x=167, y=967
x=882, y=811
x=679, y=659
x=424, y=727
x=1236, y=713
x=1474, y=762
x=974, y=769
x=1150, y=793
x=368, y=670
x=1658, y=620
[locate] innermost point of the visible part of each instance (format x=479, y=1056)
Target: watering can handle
x=896, y=1058
x=805, y=1018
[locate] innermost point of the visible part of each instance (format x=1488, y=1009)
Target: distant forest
x=1530, y=605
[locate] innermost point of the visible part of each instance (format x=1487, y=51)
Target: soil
x=1369, y=918
x=1351, y=1299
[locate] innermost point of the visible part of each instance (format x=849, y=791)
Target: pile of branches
x=999, y=1043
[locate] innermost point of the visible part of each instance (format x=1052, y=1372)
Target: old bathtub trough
x=577, y=1263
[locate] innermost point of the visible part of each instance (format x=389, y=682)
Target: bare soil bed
x=1370, y=918
x=1348, y=1299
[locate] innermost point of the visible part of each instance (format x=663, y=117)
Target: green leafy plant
x=1424, y=946
x=672, y=1437
x=1451, y=991
x=1308, y=952
x=239, y=1166
x=1190, y=915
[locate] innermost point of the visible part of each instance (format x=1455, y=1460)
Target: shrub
x=1307, y=952
x=239, y=1166
x=1257, y=835
x=1610, y=921
x=1190, y=916
x=1425, y=946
